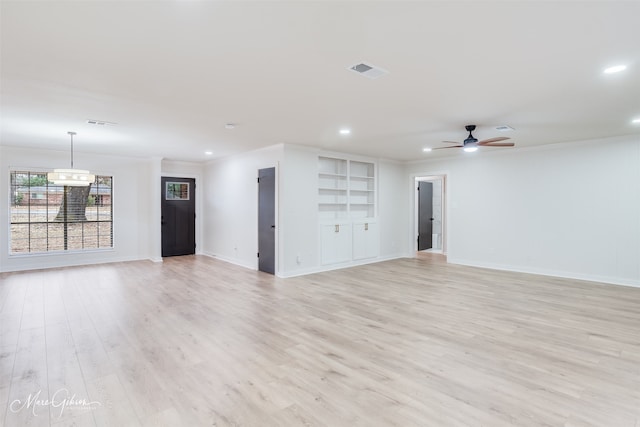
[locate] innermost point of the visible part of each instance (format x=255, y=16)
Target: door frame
x=419, y=188
x=430, y=177
x=198, y=202
x=276, y=196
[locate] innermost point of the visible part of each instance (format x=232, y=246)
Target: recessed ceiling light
x=345, y=131
x=635, y=121
x=208, y=153
x=615, y=69
x=230, y=126
x=426, y=149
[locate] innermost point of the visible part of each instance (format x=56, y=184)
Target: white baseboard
x=322, y=268
x=233, y=261
x=310, y=270
x=57, y=262
x=553, y=273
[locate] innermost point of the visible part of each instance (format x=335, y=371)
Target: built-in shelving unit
x=362, y=189
x=346, y=189
x=332, y=188
x=347, y=210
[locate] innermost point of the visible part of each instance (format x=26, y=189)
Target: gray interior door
x=425, y=215
x=267, y=220
x=178, y=216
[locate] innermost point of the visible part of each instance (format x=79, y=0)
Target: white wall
x=230, y=224
x=299, y=211
x=131, y=207
x=231, y=212
x=393, y=205
x=569, y=210
x=226, y=207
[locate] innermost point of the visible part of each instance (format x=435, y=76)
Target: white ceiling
x=172, y=73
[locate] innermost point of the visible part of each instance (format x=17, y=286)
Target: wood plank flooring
x=413, y=342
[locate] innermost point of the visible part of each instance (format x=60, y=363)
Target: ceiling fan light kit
x=470, y=147
x=471, y=144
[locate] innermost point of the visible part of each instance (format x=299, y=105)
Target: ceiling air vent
x=100, y=123
x=368, y=70
x=504, y=128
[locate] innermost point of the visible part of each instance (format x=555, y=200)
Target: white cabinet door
x=366, y=240
x=335, y=241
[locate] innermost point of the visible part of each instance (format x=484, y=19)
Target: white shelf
x=361, y=170
x=346, y=188
x=334, y=175
x=332, y=167
x=362, y=195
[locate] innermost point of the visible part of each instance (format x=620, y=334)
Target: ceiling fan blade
x=503, y=144
x=453, y=146
x=490, y=140
x=451, y=142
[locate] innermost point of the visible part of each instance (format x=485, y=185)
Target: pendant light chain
x=71, y=133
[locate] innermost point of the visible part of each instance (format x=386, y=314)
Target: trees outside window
x=41, y=221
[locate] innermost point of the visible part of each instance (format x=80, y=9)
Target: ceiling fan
x=471, y=144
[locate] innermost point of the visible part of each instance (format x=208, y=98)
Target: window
x=41, y=221
x=177, y=191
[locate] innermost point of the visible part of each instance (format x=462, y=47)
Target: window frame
x=50, y=249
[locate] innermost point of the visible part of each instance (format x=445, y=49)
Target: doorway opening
x=430, y=214
x=267, y=220
x=178, y=216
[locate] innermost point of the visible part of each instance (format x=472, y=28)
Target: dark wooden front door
x=425, y=215
x=178, y=216
x=267, y=220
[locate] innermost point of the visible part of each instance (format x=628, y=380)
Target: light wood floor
x=412, y=342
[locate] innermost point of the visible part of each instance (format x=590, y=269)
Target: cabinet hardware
x=337, y=229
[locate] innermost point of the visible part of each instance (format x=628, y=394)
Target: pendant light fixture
x=71, y=177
